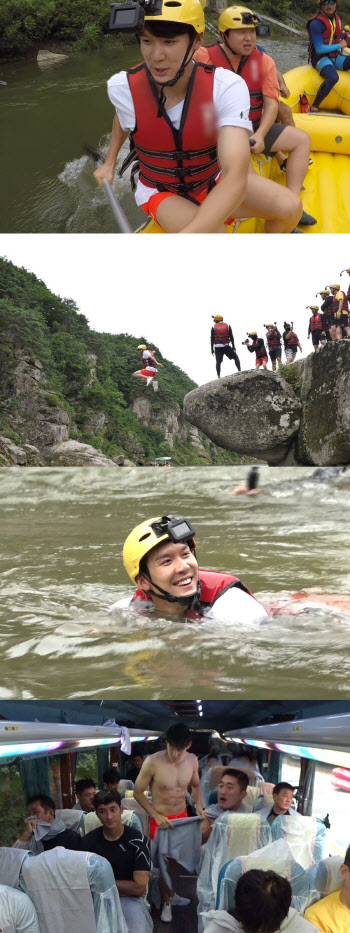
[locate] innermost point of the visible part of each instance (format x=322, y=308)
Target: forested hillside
x=55, y=370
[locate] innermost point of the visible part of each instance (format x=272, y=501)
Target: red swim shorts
x=153, y=826
x=263, y=359
x=148, y=372
x=152, y=205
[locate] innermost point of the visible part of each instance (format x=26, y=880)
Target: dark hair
x=347, y=857
x=282, y=785
x=47, y=802
x=263, y=899
x=165, y=30
x=241, y=777
x=84, y=784
x=212, y=755
x=248, y=753
x=106, y=796
x=111, y=776
x=137, y=755
x=178, y=735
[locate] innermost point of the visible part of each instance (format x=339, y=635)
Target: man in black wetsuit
x=222, y=343
x=258, y=347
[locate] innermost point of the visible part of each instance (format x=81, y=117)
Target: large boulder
x=251, y=413
x=12, y=454
x=324, y=436
x=73, y=453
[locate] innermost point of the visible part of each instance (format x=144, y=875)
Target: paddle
x=116, y=208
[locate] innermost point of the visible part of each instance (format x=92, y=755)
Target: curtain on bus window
x=35, y=776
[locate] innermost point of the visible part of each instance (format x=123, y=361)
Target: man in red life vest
x=315, y=327
x=149, y=371
x=220, y=338
x=291, y=343
x=190, y=129
x=274, y=338
x=258, y=347
x=340, y=312
x=326, y=48
x=237, y=52
x=327, y=313
x=159, y=556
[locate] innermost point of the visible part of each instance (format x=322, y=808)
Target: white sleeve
x=26, y=917
x=236, y=606
x=120, y=96
x=231, y=99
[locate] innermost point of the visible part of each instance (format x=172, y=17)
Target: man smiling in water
x=159, y=556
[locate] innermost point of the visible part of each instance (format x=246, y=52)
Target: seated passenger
x=85, y=790
x=159, y=556
x=231, y=792
x=327, y=41
x=133, y=768
x=111, y=778
x=263, y=900
x=208, y=178
x=43, y=829
x=237, y=52
x=127, y=851
x=283, y=794
x=17, y=913
x=332, y=913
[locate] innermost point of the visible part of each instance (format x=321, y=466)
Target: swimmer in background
x=250, y=487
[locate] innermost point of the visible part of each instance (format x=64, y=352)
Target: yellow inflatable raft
x=327, y=183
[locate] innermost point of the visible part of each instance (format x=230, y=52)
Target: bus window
x=86, y=766
x=329, y=797
x=12, y=803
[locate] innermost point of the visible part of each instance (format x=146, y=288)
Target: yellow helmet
x=218, y=318
x=148, y=534
x=235, y=17
x=268, y=325
x=253, y=333
x=335, y=286
x=142, y=346
x=189, y=12
x=314, y=307
x=347, y=270
x=325, y=291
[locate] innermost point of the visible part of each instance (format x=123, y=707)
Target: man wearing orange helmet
x=222, y=343
x=190, y=131
x=237, y=52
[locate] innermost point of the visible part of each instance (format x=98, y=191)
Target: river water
x=61, y=570
x=48, y=116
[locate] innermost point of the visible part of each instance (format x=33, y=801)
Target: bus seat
x=277, y=857
x=125, y=785
x=326, y=875
x=232, y=834
x=128, y=817
x=263, y=802
x=73, y=891
x=306, y=837
x=213, y=796
x=130, y=804
x=72, y=819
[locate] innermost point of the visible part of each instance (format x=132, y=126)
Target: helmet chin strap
x=186, y=60
x=188, y=601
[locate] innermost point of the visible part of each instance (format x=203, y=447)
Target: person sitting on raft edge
x=238, y=53
x=190, y=128
x=327, y=41
x=159, y=556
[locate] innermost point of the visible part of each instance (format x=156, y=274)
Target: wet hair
x=165, y=30
x=104, y=797
x=45, y=801
x=263, y=899
x=178, y=735
x=111, y=776
x=241, y=777
x=347, y=857
x=282, y=785
x=84, y=784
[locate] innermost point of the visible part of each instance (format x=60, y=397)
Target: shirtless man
x=168, y=774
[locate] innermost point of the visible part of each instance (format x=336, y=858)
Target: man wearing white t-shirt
x=190, y=129
x=149, y=371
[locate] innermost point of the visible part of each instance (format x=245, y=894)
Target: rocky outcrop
x=45, y=58
x=261, y=415
x=72, y=453
x=254, y=413
x=171, y=422
x=12, y=454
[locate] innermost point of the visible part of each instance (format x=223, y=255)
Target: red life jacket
x=345, y=308
x=213, y=584
x=249, y=69
x=316, y=322
x=221, y=333
x=274, y=339
x=259, y=347
x=348, y=294
x=291, y=341
x=183, y=160
x=327, y=36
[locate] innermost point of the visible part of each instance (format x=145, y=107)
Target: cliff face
x=305, y=420
x=68, y=397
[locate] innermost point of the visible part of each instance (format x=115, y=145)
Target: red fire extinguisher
x=304, y=103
